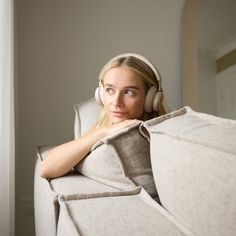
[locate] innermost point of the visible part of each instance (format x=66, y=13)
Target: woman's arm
x=62, y=158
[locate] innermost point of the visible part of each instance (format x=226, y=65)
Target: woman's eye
x=130, y=92
x=109, y=90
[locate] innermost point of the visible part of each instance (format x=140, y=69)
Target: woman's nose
x=117, y=99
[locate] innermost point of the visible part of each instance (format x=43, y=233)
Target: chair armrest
x=46, y=207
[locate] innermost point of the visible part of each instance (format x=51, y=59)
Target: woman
x=130, y=90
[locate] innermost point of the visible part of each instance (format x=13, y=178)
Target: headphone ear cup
x=148, y=106
x=98, y=95
x=157, y=100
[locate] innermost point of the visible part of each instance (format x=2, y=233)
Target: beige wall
x=212, y=37
x=60, y=48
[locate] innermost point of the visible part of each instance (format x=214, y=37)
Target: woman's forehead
x=122, y=76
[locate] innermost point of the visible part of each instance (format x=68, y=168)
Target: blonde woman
x=129, y=90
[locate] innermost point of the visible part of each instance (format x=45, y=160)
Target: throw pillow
x=121, y=160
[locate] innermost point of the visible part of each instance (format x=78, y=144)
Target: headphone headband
x=141, y=58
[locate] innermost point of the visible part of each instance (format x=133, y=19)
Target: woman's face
x=123, y=94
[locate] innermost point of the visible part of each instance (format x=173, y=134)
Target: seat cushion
x=126, y=213
x=121, y=160
x=193, y=157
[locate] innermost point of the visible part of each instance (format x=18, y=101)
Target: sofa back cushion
x=193, y=158
x=121, y=160
x=86, y=116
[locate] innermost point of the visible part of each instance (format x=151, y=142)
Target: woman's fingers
x=123, y=124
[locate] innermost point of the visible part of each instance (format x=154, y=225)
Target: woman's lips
x=118, y=113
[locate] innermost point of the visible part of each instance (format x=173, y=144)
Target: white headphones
x=154, y=95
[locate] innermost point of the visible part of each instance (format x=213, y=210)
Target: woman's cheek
x=137, y=109
x=105, y=101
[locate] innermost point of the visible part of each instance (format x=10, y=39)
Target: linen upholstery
x=193, y=158
x=121, y=160
x=126, y=213
x=45, y=201
x=193, y=163
x=86, y=116
x=72, y=182
x=47, y=191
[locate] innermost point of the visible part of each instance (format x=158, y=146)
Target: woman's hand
x=119, y=126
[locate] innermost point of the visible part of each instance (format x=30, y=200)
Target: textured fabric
x=129, y=213
x=74, y=183
x=65, y=225
x=121, y=160
x=46, y=192
x=86, y=115
x=193, y=158
x=46, y=207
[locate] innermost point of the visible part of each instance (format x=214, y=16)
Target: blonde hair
x=144, y=72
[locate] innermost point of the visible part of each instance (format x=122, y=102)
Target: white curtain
x=7, y=145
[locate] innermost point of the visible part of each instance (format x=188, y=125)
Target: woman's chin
x=116, y=120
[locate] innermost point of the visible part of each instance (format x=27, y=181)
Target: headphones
x=153, y=97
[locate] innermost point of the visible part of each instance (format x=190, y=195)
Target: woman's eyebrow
x=109, y=85
x=132, y=87
x=126, y=87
